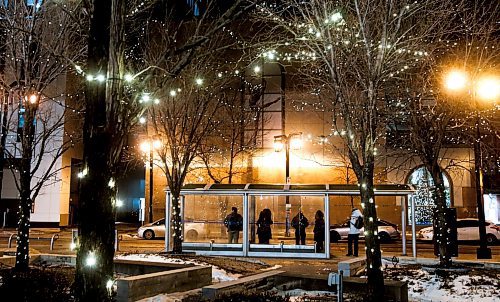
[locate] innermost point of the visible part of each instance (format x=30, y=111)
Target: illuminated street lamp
x=147, y=147
x=294, y=141
x=485, y=88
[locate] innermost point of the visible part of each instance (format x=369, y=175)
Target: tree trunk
x=5, y=106
x=176, y=222
x=97, y=226
x=23, y=228
x=442, y=234
x=372, y=242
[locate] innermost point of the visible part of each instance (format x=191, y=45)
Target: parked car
x=156, y=229
x=467, y=229
x=387, y=231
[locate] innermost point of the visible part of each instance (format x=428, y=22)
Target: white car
x=467, y=229
x=386, y=231
x=156, y=229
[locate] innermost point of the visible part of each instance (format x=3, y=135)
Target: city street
x=129, y=242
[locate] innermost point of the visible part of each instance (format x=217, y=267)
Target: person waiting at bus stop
x=355, y=225
x=234, y=224
x=264, y=226
x=319, y=231
x=300, y=223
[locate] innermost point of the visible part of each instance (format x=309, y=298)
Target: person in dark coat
x=264, y=226
x=300, y=223
x=319, y=231
x=234, y=224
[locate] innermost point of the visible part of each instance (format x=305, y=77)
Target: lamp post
x=148, y=147
x=487, y=89
x=294, y=141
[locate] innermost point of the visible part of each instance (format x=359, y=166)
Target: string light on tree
x=91, y=259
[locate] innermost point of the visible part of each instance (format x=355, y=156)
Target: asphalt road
x=130, y=243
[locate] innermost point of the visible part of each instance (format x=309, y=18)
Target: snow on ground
x=426, y=287
x=218, y=274
x=277, y=266
x=300, y=294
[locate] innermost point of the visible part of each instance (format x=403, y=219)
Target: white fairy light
x=128, y=77
x=91, y=259
x=100, y=78
x=145, y=97
x=109, y=284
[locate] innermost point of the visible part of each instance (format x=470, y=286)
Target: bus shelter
x=204, y=207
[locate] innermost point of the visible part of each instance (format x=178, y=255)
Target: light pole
x=294, y=141
x=486, y=88
x=148, y=147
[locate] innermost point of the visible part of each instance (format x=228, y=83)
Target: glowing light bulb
x=100, y=78
x=128, y=77
x=91, y=259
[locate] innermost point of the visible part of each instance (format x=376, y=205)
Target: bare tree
x=38, y=49
x=183, y=121
x=355, y=50
x=180, y=39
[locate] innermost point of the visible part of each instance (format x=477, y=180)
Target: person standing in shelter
x=319, y=231
x=300, y=223
x=355, y=225
x=264, y=226
x=234, y=224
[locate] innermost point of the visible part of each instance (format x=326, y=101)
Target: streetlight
x=486, y=88
x=147, y=147
x=294, y=141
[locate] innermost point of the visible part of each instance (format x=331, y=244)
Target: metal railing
x=52, y=239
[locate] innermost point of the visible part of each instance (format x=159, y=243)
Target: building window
x=421, y=179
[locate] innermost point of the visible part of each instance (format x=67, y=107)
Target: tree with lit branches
x=356, y=50
x=439, y=116
x=154, y=37
x=37, y=52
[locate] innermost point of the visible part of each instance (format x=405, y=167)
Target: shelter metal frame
x=247, y=249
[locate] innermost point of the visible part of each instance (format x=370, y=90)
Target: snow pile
x=425, y=286
x=218, y=274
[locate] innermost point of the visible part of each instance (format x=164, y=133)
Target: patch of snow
x=300, y=294
x=271, y=268
x=218, y=274
x=427, y=287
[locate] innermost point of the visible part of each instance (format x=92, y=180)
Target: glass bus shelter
x=204, y=208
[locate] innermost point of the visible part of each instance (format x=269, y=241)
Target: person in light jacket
x=353, y=236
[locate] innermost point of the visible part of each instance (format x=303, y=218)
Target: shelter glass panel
x=204, y=217
x=282, y=207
